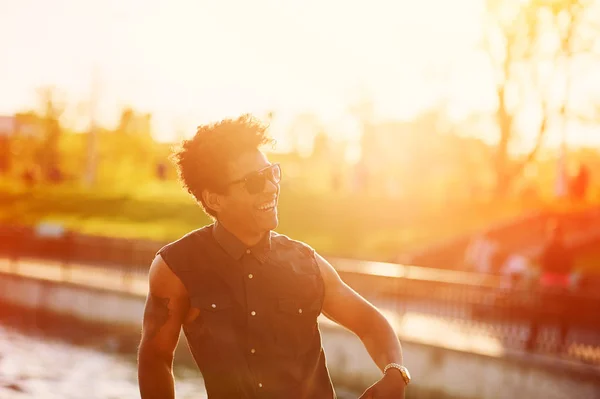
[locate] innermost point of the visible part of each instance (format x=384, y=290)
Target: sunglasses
x=255, y=182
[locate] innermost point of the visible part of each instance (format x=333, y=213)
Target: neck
x=247, y=237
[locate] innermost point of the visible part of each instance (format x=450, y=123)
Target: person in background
x=516, y=270
x=581, y=183
x=480, y=253
x=556, y=260
x=556, y=285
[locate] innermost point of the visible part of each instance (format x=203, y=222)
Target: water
x=34, y=366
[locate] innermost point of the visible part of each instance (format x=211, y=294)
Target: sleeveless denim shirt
x=256, y=335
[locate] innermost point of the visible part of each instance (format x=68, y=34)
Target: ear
x=213, y=200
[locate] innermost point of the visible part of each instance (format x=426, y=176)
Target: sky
x=193, y=62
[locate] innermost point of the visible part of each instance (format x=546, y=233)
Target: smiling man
x=248, y=298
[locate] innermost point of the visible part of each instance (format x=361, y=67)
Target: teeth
x=267, y=205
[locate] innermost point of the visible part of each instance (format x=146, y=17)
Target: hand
x=390, y=386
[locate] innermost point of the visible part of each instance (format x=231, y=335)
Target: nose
x=270, y=187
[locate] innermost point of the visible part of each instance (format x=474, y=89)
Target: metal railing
x=519, y=315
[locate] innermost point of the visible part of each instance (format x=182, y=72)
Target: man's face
x=250, y=202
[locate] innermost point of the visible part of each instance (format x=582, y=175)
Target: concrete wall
x=437, y=372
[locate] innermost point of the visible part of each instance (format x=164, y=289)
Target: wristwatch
x=403, y=370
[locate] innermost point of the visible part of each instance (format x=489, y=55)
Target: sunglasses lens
x=256, y=184
x=276, y=174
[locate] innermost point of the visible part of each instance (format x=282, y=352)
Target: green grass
x=336, y=225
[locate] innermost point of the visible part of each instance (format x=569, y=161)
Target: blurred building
x=29, y=124
x=7, y=126
x=20, y=136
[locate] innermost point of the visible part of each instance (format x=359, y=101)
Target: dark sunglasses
x=255, y=182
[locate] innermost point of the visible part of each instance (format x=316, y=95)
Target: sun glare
x=189, y=62
x=194, y=61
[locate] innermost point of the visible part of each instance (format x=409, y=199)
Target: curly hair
x=202, y=161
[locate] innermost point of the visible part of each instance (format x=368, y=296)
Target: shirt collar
x=236, y=249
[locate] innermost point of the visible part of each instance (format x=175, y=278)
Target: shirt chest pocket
x=214, y=324
x=296, y=324
x=300, y=300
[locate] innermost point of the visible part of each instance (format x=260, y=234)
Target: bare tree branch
x=523, y=38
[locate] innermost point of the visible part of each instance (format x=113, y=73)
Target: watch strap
x=400, y=368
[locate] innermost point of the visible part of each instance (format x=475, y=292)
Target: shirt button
x=260, y=385
x=253, y=351
x=248, y=251
x=253, y=313
x=214, y=305
x=250, y=275
x=299, y=310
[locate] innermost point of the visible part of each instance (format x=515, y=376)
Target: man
x=248, y=298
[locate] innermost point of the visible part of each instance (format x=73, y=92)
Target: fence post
x=68, y=249
x=14, y=265
x=19, y=238
x=128, y=265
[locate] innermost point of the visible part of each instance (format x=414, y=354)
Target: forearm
x=381, y=342
x=155, y=376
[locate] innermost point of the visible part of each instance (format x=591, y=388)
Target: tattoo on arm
x=156, y=314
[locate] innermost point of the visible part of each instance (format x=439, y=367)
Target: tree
x=52, y=109
x=363, y=111
x=128, y=150
x=125, y=120
x=5, y=154
x=532, y=46
x=303, y=129
x=321, y=146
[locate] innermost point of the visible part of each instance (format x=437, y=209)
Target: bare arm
x=346, y=307
x=167, y=305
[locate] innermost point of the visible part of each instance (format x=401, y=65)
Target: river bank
x=47, y=357
x=37, y=365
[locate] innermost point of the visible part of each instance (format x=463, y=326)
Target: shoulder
x=178, y=251
x=283, y=242
x=163, y=281
x=184, y=242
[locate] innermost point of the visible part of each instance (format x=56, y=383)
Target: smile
x=268, y=205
